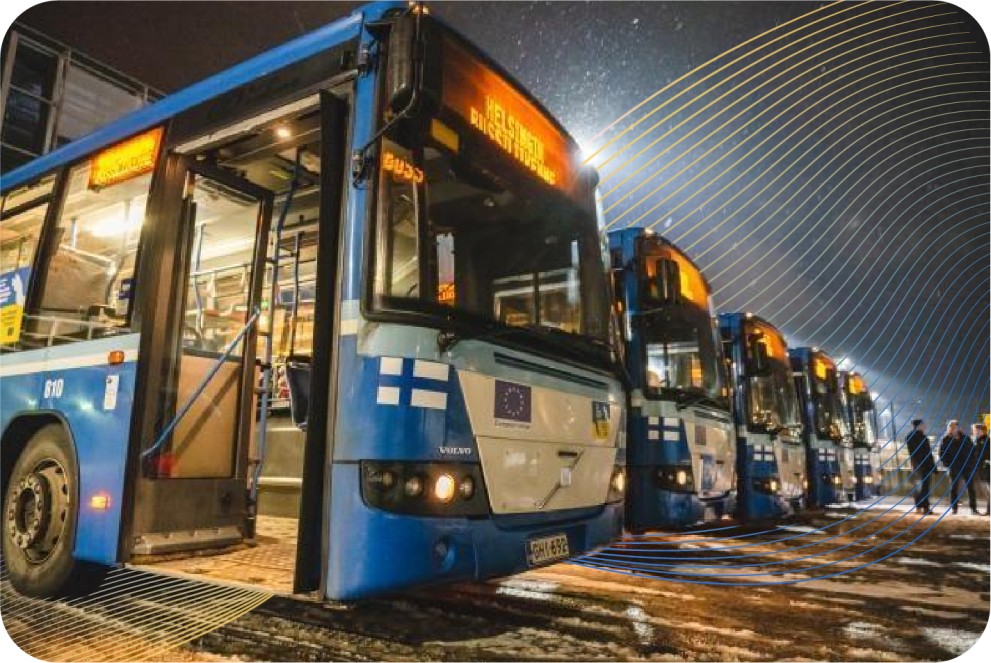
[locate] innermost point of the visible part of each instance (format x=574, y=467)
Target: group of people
x=965, y=458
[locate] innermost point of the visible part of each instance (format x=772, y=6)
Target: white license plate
x=546, y=549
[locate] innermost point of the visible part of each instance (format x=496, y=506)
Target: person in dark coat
x=922, y=464
x=956, y=452
x=982, y=450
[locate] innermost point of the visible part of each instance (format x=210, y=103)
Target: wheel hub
x=36, y=510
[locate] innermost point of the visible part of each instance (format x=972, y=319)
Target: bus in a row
x=367, y=255
x=725, y=419
x=337, y=321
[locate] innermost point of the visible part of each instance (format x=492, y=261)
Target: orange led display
x=692, y=284
x=445, y=294
x=131, y=158
x=495, y=109
x=401, y=168
x=855, y=384
x=822, y=365
x=772, y=339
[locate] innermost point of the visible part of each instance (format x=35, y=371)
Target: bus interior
x=281, y=156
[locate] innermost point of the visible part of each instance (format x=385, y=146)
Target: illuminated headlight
x=869, y=479
x=836, y=481
x=427, y=489
x=676, y=478
x=766, y=485
x=805, y=484
x=617, y=485
x=444, y=488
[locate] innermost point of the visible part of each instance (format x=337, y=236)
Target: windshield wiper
x=685, y=399
x=447, y=339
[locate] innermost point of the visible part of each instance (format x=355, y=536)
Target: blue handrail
x=164, y=435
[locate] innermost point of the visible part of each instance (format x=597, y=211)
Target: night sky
x=838, y=187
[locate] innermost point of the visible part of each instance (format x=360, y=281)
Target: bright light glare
x=444, y=487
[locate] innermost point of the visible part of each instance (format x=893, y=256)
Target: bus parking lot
x=928, y=602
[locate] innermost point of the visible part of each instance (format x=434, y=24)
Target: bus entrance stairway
x=266, y=563
x=281, y=479
x=268, y=560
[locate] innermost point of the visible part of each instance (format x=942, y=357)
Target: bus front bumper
x=375, y=552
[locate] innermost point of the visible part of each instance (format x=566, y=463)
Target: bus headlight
x=424, y=489
x=617, y=485
x=767, y=485
x=869, y=479
x=444, y=488
x=676, y=478
x=413, y=486
x=836, y=480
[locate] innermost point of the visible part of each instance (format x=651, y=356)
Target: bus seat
x=298, y=379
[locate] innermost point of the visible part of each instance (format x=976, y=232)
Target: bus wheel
x=39, y=514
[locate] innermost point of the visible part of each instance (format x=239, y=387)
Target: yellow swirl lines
x=768, y=154
x=812, y=179
x=139, y=617
x=836, y=220
x=821, y=185
x=844, y=99
x=843, y=165
x=132, y=616
x=706, y=64
x=756, y=75
x=766, y=170
x=234, y=605
x=770, y=108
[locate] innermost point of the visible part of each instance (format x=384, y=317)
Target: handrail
x=156, y=447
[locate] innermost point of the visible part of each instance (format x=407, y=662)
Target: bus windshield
x=481, y=222
x=828, y=399
x=679, y=334
x=864, y=434
x=772, y=401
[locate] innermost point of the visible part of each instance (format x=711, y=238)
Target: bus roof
x=148, y=116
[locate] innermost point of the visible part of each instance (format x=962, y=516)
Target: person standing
x=983, y=474
x=922, y=464
x=956, y=451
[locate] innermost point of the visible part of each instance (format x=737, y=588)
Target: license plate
x=546, y=549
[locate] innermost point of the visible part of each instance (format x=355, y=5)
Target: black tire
x=40, y=505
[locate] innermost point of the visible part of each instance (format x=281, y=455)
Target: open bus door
x=191, y=467
x=204, y=352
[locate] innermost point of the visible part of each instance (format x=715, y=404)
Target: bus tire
x=39, y=514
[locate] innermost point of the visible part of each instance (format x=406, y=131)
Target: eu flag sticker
x=600, y=420
x=513, y=403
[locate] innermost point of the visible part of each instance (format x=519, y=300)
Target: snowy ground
x=927, y=602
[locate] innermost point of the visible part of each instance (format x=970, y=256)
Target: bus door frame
x=163, y=282
x=313, y=538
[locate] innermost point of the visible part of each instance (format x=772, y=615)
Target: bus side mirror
x=411, y=79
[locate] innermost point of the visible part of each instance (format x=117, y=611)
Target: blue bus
x=771, y=453
x=862, y=423
x=827, y=438
x=681, y=449
x=368, y=250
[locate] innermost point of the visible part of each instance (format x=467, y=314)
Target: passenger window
x=88, y=283
x=21, y=221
